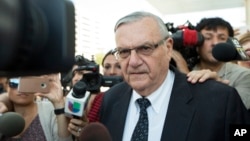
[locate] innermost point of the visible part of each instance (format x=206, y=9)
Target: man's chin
x=138, y=84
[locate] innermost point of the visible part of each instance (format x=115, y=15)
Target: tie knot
x=143, y=103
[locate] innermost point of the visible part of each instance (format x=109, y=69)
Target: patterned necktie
x=141, y=129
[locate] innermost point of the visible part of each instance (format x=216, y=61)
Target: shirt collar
x=157, y=98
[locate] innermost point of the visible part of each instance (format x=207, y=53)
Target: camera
x=94, y=80
x=186, y=39
x=36, y=37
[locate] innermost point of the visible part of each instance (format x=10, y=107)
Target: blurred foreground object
x=95, y=132
x=11, y=123
x=36, y=37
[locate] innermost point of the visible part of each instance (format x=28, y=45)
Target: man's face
x=212, y=37
x=144, y=73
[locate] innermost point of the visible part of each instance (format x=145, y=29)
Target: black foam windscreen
x=225, y=52
x=11, y=124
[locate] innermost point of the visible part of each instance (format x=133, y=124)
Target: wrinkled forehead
x=135, y=33
x=217, y=29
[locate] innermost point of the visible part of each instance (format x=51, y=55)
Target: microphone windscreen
x=225, y=52
x=95, y=131
x=11, y=124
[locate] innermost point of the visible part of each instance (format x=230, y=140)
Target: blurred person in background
x=216, y=30
x=244, y=40
x=41, y=121
x=111, y=67
x=3, y=84
x=75, y=74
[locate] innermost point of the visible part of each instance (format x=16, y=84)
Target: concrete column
x=247, y=6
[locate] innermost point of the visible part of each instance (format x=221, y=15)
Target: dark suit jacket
x=196, y=112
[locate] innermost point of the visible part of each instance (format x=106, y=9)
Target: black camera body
x=94, y=80
x=36, y=37
x=186, y=39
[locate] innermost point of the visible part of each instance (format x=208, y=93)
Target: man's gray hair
x=136, y=16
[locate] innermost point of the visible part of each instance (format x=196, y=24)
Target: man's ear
x=169, y=43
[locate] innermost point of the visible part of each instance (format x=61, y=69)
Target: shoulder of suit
x=119, y=89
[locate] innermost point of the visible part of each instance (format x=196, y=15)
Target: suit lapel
x=180, y=113
x=120, y=114
x=179, y=116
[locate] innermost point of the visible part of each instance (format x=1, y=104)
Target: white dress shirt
x=157, y=111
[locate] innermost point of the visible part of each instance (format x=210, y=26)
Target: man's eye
x=124, y=51
x=223, y=39
x=144, y=49
x=207, y=38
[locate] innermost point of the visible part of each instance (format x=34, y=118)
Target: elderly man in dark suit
x=156, y=102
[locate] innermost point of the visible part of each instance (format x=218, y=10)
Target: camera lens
x=43, y=85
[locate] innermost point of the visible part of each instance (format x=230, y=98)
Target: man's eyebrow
x=142, y=44
x=208, y=33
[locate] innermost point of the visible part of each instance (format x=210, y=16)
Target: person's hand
x=237, y=32
x=3, y=108
x=5, y=104
x=181, y=63
x=203, y=75
x=56, y=93
x=76, y=126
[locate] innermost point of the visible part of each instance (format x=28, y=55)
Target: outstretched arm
x=195, y=75
x=55, y=96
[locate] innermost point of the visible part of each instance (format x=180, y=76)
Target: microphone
x=95, y=131
x=76, y=100
x=229, y=51
x=11, y=124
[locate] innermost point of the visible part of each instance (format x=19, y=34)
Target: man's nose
x=215, y=41
x=134, y=58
